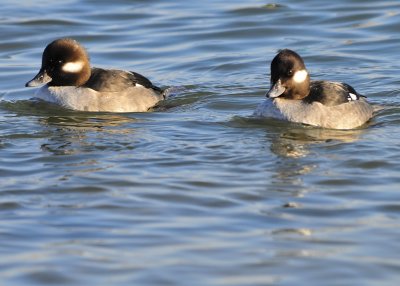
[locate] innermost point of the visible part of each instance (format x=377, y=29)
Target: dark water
x=199, y=192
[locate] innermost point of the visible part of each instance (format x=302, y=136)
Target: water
x=199, y=192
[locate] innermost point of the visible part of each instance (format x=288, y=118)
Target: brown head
x=289, y=76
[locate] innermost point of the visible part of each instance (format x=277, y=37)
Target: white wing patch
x=352, y=97
x=73, y=67
x=300, y=76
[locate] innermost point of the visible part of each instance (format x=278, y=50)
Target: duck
x=294, y=97
x=67, y=79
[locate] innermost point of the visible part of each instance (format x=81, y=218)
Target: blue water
x=198, y=192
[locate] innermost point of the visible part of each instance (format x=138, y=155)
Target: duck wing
x=331, y=93
x=103, y=80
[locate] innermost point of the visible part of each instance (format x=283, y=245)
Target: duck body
x=87, y=99
x=343, y=116
x=294, y=97
x=70, y=82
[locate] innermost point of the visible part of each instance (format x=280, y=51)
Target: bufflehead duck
x=295, y=98
x=72, y=83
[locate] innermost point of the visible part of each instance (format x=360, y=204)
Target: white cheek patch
x=73, y=67
x=300, y=76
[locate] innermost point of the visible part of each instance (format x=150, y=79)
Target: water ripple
x=198, y=191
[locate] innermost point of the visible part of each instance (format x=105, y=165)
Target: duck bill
x=276, y=90
x=41, y=78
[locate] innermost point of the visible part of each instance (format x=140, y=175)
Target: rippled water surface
x=198, y=192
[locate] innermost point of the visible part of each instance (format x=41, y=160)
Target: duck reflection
x=88, y=122
x=82, y=144
x=80, y=133
x=296, y=142
x=296, y=146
